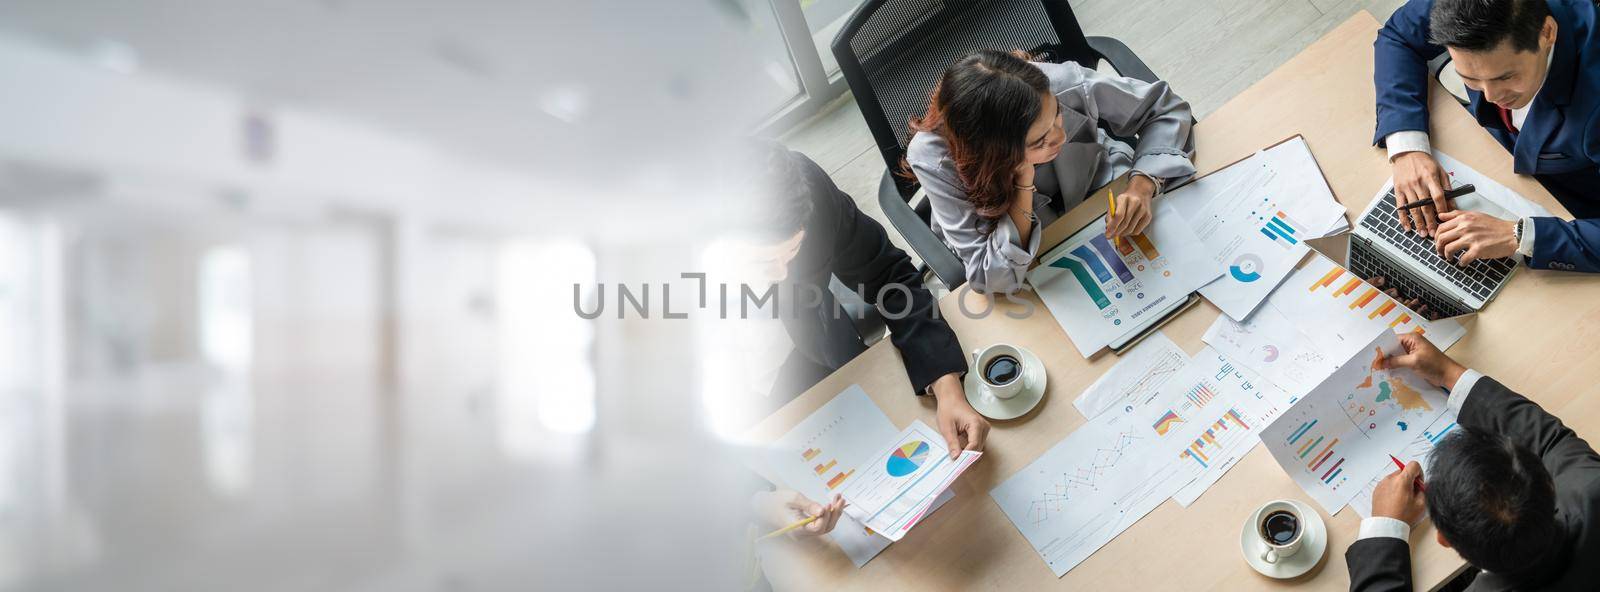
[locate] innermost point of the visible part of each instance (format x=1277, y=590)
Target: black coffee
x=1280, y=527
x=1001, y=370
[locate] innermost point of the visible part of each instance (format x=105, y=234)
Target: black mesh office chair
x=892, y=52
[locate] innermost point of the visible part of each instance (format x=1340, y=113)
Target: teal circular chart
x=1246, y=268
x=906, y=459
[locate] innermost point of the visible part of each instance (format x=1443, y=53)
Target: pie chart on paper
x=906, y=459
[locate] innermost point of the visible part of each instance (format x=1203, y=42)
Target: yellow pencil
x=1111, y=202
x=786, y=529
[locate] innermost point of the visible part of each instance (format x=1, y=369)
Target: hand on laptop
x=1482, y=236
x=1418, y=177
x=1415, y=304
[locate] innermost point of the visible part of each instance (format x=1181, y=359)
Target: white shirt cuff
x=1379, y=526
x=1458, y=395
x=1407, y=141
x=1525, y=246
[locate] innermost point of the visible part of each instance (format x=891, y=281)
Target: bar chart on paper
x=1336, y=438
x=1278, y=228
x=1224, y=406
x=1341, y=312
x=1099, y=291
x=1221, y=435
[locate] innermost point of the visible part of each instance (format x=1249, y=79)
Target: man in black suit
x=807, y=231
x=1514, y=491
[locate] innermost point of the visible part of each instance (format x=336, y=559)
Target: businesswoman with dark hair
x=1007, y=145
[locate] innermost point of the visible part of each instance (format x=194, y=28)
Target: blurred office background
x=286, y=292
x=286, y=287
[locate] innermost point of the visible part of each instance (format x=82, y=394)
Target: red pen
x=1403, y=467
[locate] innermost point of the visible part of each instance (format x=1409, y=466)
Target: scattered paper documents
x=1254, y=217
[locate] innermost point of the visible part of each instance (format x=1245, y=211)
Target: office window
x=795, y=35
x=824, y=18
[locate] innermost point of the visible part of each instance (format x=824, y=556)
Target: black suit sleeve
x=865, y=261
x=1379, y=564
x=1493, y=407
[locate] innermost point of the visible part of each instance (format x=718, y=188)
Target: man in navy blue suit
x=1532, y=71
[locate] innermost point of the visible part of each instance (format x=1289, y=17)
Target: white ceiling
x=573, y=87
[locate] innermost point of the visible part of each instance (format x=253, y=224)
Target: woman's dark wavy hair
x=982, y=106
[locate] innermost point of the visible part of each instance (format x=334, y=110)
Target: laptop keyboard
x=1480, y=278
x=1366, y=265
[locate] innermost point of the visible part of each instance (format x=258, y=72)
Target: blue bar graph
x=1305, y=427
x=1434, y=439
x=1094, y=263
x=1279, y=230
x=1110, y=255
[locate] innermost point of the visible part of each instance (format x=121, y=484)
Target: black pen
x=1451, y=194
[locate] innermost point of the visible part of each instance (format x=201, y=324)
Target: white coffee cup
x=980, y=364
x=1272, y=550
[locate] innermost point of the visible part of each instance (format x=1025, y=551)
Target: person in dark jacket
x=806, y=232
x=1532, y=71
x=1513, y=490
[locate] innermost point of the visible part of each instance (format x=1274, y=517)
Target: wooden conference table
x=1541, y=337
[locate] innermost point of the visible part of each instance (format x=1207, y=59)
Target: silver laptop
x=1379, y=246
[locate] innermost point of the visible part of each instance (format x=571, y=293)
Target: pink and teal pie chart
x=905, y=460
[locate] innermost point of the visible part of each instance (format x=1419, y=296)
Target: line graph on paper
x=1084, y=477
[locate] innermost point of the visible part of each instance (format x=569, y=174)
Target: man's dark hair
x=771, y=188
x=1493, y=500
x=1481, y=25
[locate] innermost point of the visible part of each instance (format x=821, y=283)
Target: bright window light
x=546, y=363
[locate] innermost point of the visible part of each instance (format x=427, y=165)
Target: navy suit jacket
x=1558, y=143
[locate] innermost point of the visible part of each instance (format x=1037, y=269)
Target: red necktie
x=1505, y=117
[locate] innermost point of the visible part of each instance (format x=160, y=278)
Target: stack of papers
x=1254, y=217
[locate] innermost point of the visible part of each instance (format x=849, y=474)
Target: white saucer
x=992, y=407
x=1311, y=549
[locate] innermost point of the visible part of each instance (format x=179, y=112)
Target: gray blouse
x=997, y=261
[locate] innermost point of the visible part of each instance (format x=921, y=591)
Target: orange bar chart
x=1382, y=310
x=839, y=478
x=1402, y=319
x=820, y=469
x=1348, y=287
x=1146, y=247
x=1366, y=297
x=1327, y=279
